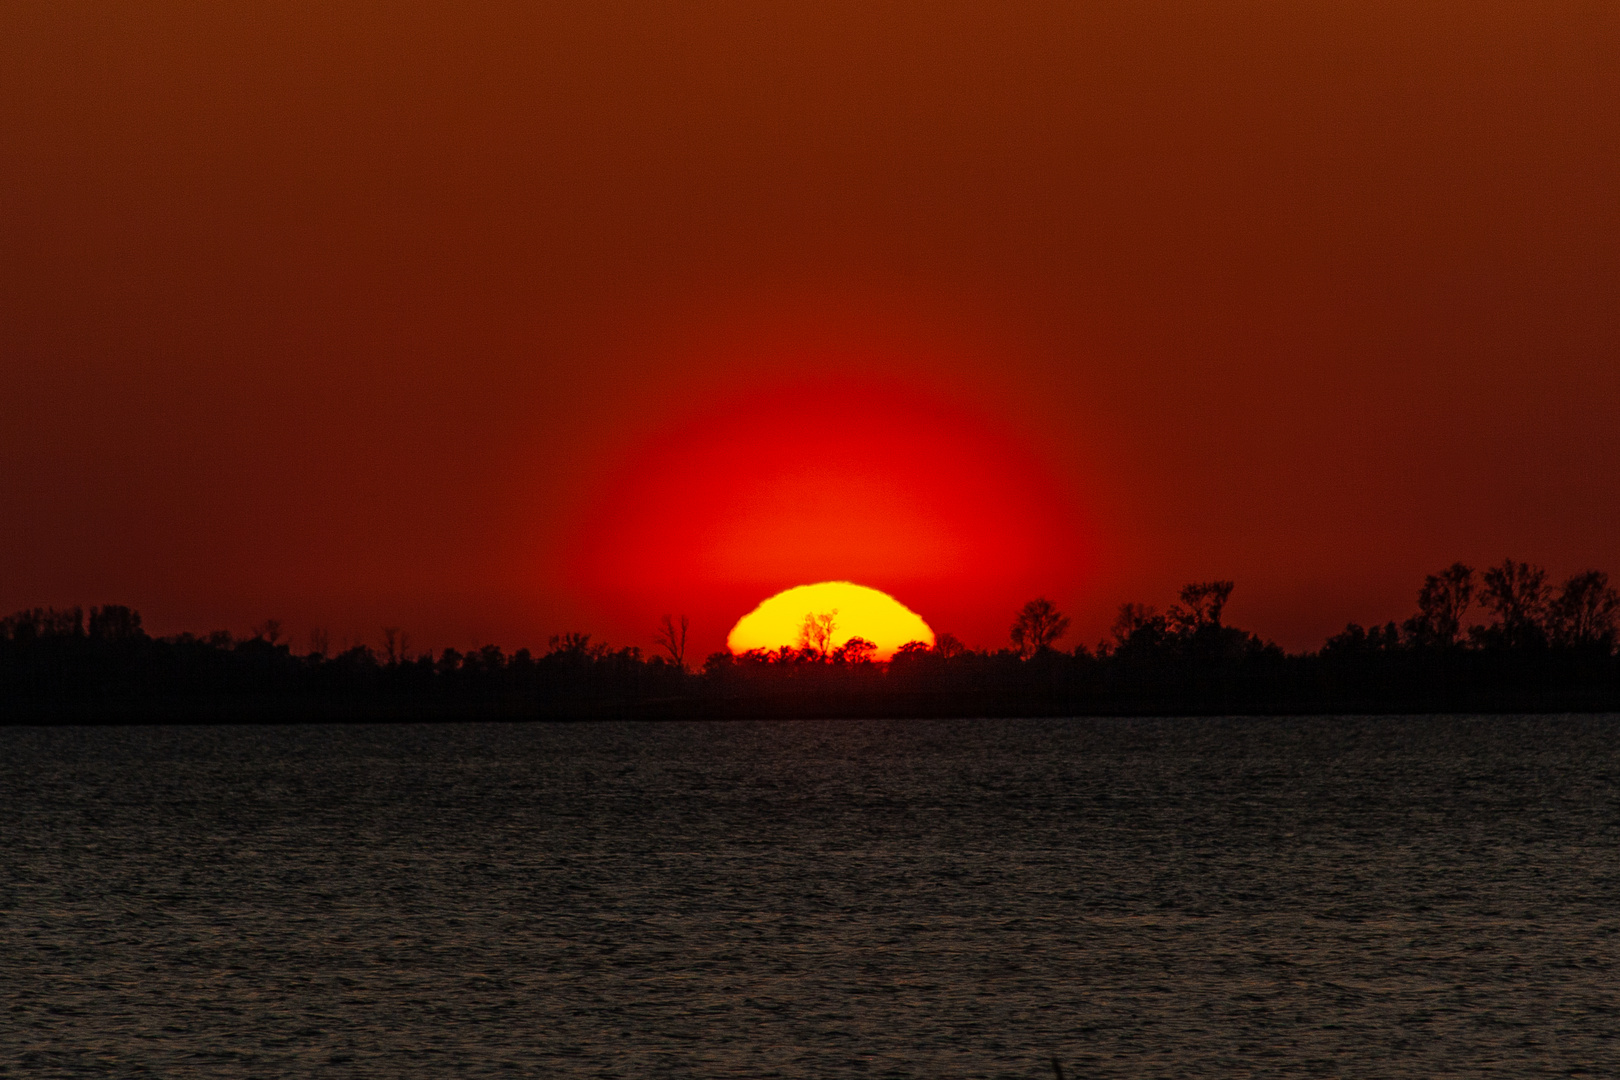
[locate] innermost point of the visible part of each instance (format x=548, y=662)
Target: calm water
x=1138, y=898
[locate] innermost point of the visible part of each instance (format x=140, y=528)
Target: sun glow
x=933, y=499
x=855, y=611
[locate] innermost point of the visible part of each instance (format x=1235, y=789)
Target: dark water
x=1142, y=898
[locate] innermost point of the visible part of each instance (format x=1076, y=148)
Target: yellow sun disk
x=860, y=612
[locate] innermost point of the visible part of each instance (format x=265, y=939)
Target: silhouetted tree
x=913, y=659
x=395, y=642
x=115, y=622
x=1442, y=602
x=319, y=642
x=1134, y=619
x=1585, y=612
x=43, y=623
x=358, y=659
x=1200, y=607
x=1517, y=593
x=269, y=630
x=1037, y=626
x=856, y=650
x=948, y=646
x=577, y=646
x=1356, y=640
x=817, y=631
x=672, y=639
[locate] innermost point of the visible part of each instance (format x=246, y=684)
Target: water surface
x=1384, y=897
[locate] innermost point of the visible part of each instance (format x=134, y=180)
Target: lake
x=1357, y=897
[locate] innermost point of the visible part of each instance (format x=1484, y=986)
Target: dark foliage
x=1541, y=649
x=1038, y=627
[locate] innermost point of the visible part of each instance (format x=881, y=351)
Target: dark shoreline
x=278, y=713
x=1539, y=655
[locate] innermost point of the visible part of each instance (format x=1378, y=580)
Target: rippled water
x=1141, y=898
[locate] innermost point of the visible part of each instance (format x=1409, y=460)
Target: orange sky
x=359, y=316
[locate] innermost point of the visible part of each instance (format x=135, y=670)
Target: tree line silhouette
x=1534, y=647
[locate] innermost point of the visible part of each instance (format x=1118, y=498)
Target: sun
x=856, y=611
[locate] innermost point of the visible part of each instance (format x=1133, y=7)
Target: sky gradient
x=493, y=323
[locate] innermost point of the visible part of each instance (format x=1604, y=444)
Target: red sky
x=357, y=315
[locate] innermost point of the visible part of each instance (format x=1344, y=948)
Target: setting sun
x=854, y=611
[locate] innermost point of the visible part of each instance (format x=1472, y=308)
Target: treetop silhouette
x=1539, y=646
x=1038, y=625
